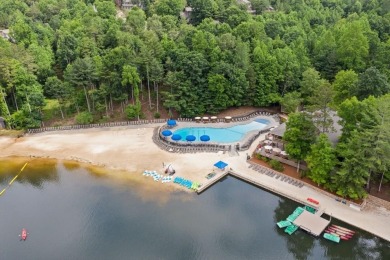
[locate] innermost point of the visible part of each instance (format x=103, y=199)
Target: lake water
x=76, y=213
x=223, y=135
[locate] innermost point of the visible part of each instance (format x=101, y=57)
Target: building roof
x=279, y=131
x=333, y=135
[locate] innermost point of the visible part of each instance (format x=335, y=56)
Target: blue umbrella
x=176, y=137
x=190, y=138
x=171, y=122
x=166, y=132
x=205, y=138
x=221, y=165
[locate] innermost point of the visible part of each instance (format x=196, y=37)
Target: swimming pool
x=223, y=135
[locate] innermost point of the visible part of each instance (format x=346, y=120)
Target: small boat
x=332, y=237
x=283, y=223
x=346, y=233
x=343, y=228
x=338, y=235
x=291, y=229
x=313, y=201
x=23, y=235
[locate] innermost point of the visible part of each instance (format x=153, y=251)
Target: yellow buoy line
x=10, y=183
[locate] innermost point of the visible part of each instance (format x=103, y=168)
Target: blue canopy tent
x=171, y=122
x=220, y=165
x=166, y=132
x=190, y=138
x=205, y=138
x=176, y=137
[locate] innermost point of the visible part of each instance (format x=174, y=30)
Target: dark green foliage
x=373, y=83
x=300, y=135
x=321, y=160
x=84, y=118
x=276, y=165
x=157, y=115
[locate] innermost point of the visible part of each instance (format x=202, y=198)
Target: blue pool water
x=223, y=135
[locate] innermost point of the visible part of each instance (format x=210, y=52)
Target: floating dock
x=312, y=223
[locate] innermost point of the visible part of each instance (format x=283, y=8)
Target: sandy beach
x=131, y=149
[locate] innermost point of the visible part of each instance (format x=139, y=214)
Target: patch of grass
x=51, y=109
x=11, y=133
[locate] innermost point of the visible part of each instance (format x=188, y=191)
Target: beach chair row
x=277, y=175
x=258, y=113
x=157, y=177
x=186, y=183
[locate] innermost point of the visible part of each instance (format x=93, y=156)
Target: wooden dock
x=212, y=181
x=312, y=223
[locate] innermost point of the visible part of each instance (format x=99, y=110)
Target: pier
x=211, y=182
x=312, y=223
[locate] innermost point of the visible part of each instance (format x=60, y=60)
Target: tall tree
x=344, y=85
x=300, y=135
x=320, y=103
x=371, y=82
x=321, y=160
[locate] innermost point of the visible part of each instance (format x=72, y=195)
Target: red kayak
x=343, y=229
x=23, y=236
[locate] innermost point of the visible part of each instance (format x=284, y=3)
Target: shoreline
x=132, y=150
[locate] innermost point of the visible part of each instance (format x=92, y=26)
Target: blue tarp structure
x=166, y=132
x=176, y=137
x=171, y=122
x=205, y=138
x=221, y=165
x=190, y=138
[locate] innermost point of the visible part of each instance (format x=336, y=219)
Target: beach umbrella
x=205, y=138
x=221, y=165
x=171, y=122
x=190, y=138
x=166, y=132
x=176, y=137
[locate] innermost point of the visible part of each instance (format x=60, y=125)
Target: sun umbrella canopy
x=190, y=138
x=221, y=165
x=171, y=122
x=176, y=137
x=205, y=138
x=166, y=132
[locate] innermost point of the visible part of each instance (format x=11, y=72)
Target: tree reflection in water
x=36, y=172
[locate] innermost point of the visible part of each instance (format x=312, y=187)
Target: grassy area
x=51, y=109
x=11, y=133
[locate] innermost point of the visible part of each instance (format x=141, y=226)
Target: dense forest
x=83, y=60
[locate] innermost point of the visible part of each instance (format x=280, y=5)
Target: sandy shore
x=133, y=150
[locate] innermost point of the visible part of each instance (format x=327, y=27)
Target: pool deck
x=247, y=136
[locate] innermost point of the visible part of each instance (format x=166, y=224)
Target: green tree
x=344, y=85
x=299, y=136
x=168, y=7
x=321, y=160
x=311, y=82
x=350, y=179
x=353, y=46
x=291, y=101
x=320, y=103
x=58, y=90
x=130, y=77
x=371, y=82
